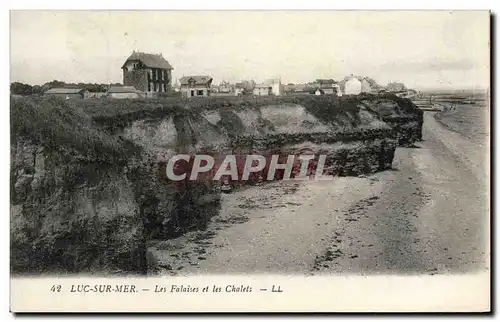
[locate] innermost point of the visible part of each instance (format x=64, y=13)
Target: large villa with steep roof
x=148, y=73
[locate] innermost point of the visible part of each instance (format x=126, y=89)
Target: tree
x=18, y=88
x=36, y=89
x=52, y=84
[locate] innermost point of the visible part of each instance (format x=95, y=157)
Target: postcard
x=249, y=161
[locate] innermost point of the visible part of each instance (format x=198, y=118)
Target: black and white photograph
x=177, y=144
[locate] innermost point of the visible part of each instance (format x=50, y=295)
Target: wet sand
x=428, y=215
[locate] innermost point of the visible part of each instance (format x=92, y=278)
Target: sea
x=470, y=115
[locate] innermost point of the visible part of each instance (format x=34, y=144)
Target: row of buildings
x=150, y=75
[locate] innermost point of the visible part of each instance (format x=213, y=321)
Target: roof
x=371, y=81
x=326, y=81
x=122, y=89
x=150, y=60
x=262, y=86
x=64, y=91
x=199, y=80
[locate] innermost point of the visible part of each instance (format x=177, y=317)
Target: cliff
x=88, y=185
x=73, y=203
x=86, y=199
x=354, y=139
x=400, y=113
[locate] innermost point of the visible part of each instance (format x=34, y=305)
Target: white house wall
x=277, y=89
x=352, y=87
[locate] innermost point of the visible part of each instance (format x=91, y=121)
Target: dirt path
x=428, y=215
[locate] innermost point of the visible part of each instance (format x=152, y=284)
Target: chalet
x=225, y=87
x=240, y=89
x=366, y=87
x=195, y=86
x=148, y=73
x=336, y=90
x=244, y=87
x=277, y=88
x=355, y=85
x=304, y=89
x=396, y=87
x=123, y=92
x=352, y=86
x=67, y=93
x=263, y=90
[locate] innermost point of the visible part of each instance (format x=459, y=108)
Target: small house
x=319, y=92
x=123, y=92
x=352, y=86
x=196, y=86
x=277, y=88
x=304, y=89
x=262, y=90
x=67, y=93
x=336, y=90
x=396, y=87
x=366, y=87
x=239, y=89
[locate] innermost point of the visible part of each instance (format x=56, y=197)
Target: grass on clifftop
x=116, y=113
x=81, y=125
x=325, y=108
x=55, y=124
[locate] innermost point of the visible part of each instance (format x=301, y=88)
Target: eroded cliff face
x=68, y=216
x=354, y=142
x=172, y=208
x=88, y=189
x=401, y=114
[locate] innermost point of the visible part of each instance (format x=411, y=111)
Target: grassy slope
x=54, y=124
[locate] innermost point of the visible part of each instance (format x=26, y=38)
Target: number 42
x=56, y=288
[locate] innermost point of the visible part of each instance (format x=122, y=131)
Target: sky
x=423, y=49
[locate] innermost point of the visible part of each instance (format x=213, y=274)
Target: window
x=200, y=92
x=192, y=93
